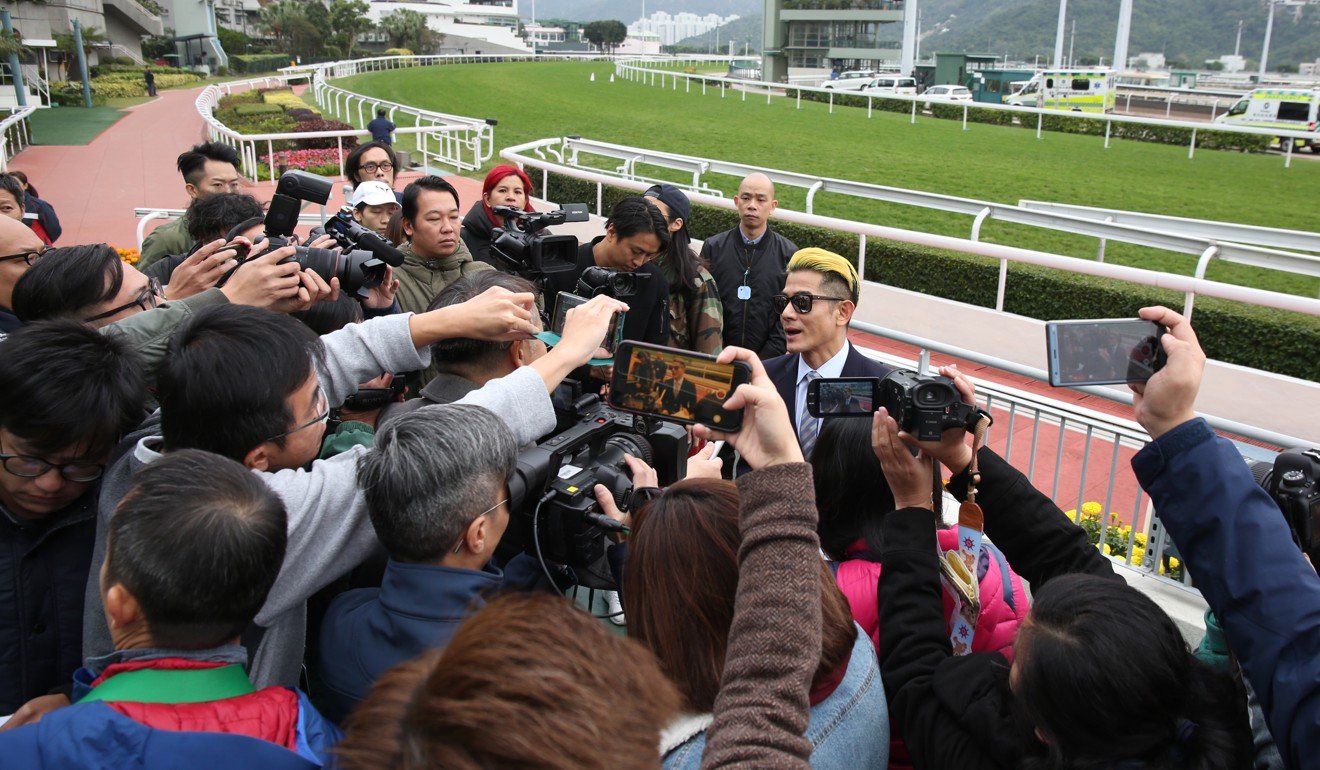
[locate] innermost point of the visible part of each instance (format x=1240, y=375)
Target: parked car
x=948, y=94
x=853, y=80
x=891, y=84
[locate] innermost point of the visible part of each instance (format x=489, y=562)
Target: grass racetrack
x=998, y=163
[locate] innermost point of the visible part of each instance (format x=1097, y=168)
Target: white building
x=539, y=34
x=486, y=26
x=672, y=28
x=640, y=44
x=1231, y=63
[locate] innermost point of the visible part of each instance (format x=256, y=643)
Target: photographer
x=505, y=185
x=1235, y=543
x=1064, y=702
x=209, y=219
x=434, y=255
x=373, y=204
x=207, y=169
x=258, y=387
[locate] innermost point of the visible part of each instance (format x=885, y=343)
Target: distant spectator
x=381, y=128
x=394, y=229
x=150, y=77
x=35, y=205
x=696, y=315
x=505, y=185
x=207, y=169
x=13, y=204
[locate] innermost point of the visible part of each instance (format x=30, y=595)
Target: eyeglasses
x=146, y=299
x=802, y=303
x=459, y=546
x=28, y=256
x=32, y=467
x=322, y=417
x=371, y=168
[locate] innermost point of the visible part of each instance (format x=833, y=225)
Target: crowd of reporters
x=234, y=537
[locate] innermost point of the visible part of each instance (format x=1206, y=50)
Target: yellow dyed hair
x=830, y=265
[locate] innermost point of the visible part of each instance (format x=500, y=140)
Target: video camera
x=521, y=248
x=924, y=406
x=597, y=280
x=1293, y=480
x=555, y=514
x=360, y=266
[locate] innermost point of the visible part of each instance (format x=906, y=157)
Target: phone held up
x=676, y=385
x=1103, y=352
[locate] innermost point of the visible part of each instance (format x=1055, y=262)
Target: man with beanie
x=748, y=263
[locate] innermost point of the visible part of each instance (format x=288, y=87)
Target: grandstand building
x=815, y=36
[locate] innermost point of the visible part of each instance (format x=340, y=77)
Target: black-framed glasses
x=321, y=418
x=28, y=256
x=371, y=168
x=802, y=302
x=146, y=299
x=32, y=467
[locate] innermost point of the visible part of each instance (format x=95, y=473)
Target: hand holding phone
x=604, y=355
x=676, y=385
x=767, y=437
x=584, y=327
x=1165, y=401
x=1103, y=352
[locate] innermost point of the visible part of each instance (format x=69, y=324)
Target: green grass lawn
x=71, y=125
x=998, y=163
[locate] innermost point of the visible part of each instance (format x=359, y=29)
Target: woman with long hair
x=696, y=315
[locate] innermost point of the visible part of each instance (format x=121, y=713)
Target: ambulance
x=1289, y=108
x=1075, y=90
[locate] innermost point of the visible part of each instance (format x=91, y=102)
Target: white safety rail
x=15, y=134
x=660, y=74
x=568, y=152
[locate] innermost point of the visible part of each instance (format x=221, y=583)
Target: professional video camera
x=925, y=406
x=555, y=514
x=610, y=282
x=358, y=269
x=521, y=248
x=1293, y=480
x=352, y=236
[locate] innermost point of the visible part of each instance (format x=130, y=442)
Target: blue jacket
x=45, y=215
x=367, y=631
x=1236, y=544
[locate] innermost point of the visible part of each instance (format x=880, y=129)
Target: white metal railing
x=633, y=70
x=15, y=134
x=567, y=152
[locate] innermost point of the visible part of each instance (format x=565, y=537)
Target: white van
x=853, y=80
x=1289, y=108
x=892, y=84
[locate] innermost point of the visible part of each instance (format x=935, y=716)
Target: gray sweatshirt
x=329, y=530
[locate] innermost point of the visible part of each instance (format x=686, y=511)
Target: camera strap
x=959, y=568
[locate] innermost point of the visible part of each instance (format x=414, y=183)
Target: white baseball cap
x=372, y=194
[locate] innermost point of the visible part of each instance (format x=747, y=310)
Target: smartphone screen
x=1105, y=352
x=566, y=302
x=843, y=396
x=676, y=385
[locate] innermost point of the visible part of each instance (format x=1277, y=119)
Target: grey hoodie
x=329, y=531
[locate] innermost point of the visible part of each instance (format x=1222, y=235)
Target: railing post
x=811, y=194
x=1100, y=252
x=1108, y=124
x=1040, y=117
x=339, y=142
x=964, y=117
x=869, y=102
x=1191, y=148
x=600, y=199
x=1287, y=157
x=914, y=112
x=831, y=101
x=861, y=256
x=981, y=216
x=1003, y=284
x=799, y=98
x=1201, y=265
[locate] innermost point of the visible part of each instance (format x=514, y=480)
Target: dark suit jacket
x=783, y=370
x=685, y=398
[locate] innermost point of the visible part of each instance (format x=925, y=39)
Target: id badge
x=744, y=292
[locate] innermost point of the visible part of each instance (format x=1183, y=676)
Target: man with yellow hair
x=819, y=298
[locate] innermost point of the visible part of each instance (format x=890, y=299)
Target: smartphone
x=566, y=302
x=1104, y=352
x=843, y=396
x=676, y=385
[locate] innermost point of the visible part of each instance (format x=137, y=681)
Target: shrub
x=258, y=109
x=326, y=142
x=1261, y=338
x=259, y=62
x=397, y=52
x=302, y=114
x=285, y=99
x=975, y=114
x=243, y=97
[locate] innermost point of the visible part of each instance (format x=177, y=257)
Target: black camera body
x=596, y=280
x=521, y=248
x=924, y=407
x=350, y=235
x=555, y=514
x=1293, y=481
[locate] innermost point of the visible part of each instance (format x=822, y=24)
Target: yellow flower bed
x=287, y=100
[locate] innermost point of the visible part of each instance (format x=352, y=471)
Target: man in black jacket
x=748, y=263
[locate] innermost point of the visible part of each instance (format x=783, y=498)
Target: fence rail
x=634, y=70
x=15, y=134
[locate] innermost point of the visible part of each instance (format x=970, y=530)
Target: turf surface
x=1000, y=163
x=71, y=125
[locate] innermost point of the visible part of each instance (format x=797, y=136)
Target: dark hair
x=64, y=383
x=681, y=581
x=682, y=261
x=244, y=226
x=68, y=282
x=852, y=494
x=328, y=316
x=454, y=354
x=1096, y=651
x=197, y=540
x=635, y=215
x=214, y=216
x=10, y=184
x=353, y=163
x=394, y=230
x=528, y=681
x=227, y=378
x=192, y=164
x=414, y=191
x=380, y=112
x=30, y=188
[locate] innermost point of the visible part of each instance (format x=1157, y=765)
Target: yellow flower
x=131, y=256
x=1106, y=549
x=1141, y=539
x=1174, y=563
x=1138, y=554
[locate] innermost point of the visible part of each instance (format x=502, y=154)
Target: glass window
x=1294, y=111
x=1081, y=84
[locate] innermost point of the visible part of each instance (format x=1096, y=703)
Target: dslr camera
x=359, y=264
x=555, y=515
x=521, y=248
x=1293, y=480
x=925, y=407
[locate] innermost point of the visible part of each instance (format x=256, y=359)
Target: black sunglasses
x=802, y=302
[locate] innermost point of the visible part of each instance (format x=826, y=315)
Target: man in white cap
x=373, y=204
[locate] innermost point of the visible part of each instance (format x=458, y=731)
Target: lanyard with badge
x=747, y=257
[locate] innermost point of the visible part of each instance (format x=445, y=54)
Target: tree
x=348, y=19
x=407, y=29
x=278, y=19
x=64, y=43
x=605, y=35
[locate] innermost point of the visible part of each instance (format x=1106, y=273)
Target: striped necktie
x=808, y=427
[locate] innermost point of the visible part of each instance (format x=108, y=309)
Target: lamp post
x=1269, y=31
x=1121, y=39
x=1058, y=35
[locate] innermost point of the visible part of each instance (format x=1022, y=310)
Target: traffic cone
x=611, y=77
x=593, y=77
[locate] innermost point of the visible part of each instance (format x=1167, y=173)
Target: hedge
x=259, y=62
x=68, y=93
x=244, y=110
x=1261, y=338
